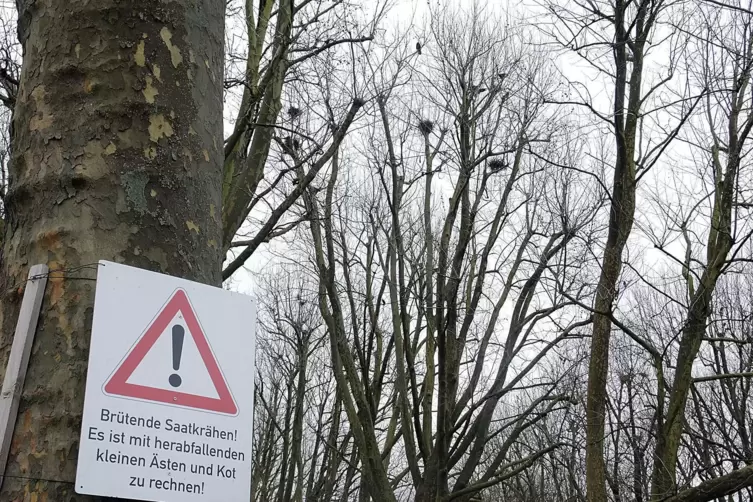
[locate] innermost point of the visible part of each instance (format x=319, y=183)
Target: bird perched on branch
x=418, y=48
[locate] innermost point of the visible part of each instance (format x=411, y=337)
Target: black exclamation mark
x=178, y=333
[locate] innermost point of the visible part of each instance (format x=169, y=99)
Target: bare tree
x=724, y=61
x=303, y=37
x=297, y=417
x=464, y=172
x=615, y=39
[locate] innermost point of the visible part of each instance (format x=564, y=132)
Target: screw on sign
x=160, y=420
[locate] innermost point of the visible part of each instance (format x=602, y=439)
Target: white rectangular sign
x=169, y=390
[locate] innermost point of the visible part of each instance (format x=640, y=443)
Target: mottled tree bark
x=117, y=155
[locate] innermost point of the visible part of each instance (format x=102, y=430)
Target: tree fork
x=116, y=155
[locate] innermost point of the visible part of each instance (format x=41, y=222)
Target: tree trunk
x=116, y=155
x=621, y=216
x=669, y=434
x=716, y=488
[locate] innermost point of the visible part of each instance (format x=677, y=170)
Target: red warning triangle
x=118, y=383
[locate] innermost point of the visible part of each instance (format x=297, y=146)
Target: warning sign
x=169, y=392
x=135, y=376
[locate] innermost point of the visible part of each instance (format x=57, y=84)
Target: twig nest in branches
x=294, y=112
x=292, y=143
x=497, y=164
x=426, y=126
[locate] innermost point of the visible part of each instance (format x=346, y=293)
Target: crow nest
x=292, y=143
x=497, y=164
x=425, y=126
x=294, y=112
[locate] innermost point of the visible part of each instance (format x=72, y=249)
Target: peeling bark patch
x=39, y=94
x=111, y=149
x=157, y=72
x=139, y=57
x=175, y=56
x=149, y=91
x=50, y=240
x=39, y=123
x=159, y=127
x=43, y=119
x=206, y=155
x=157, y=255
x=192, y=226
x=56, y=282
x=89, y=85
x=134, y=184
x=150, y=153
x=57, y=289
